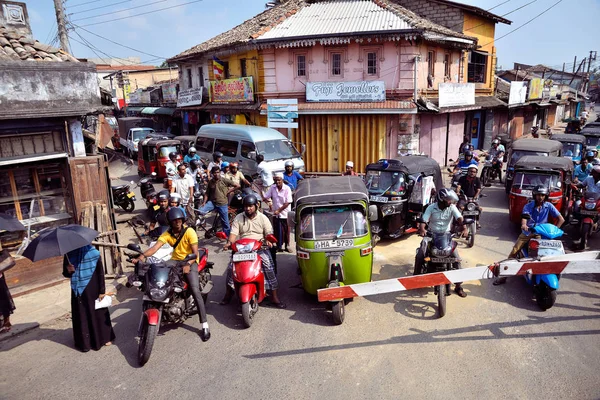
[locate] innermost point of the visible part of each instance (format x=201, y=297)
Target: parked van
x=131, y=131
x=241, y=144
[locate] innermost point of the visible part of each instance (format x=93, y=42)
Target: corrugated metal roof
x=337, y=17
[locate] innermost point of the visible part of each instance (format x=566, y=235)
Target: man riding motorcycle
x=471, y=186
x=538, y=210
x=160, y=216
x=582, y=171
x=592, y=156
x=439, y=217
x=463, y=165
x=253, y=225
x=290, y=176
x=186, y=242
x=592, y=182
x=216, y=162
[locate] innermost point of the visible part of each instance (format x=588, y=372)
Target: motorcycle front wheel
x=484, y=176
x=149, y=333
x=545, y=296
x=128, y=205
x=471, y=237
x=585, y=235
x=248, y=310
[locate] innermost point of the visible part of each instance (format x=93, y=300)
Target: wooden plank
x=13, y=187
x=38, y=189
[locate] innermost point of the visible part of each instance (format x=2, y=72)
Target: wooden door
x=89, y=179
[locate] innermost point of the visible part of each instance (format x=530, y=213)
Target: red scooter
x=248, y=276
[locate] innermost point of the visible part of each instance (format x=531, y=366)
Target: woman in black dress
x=7, y=306
x=92, y=328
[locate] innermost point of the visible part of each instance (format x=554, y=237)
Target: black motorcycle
x=123, y=197
x=167, y=297
x=492, y=169
x=469, y=208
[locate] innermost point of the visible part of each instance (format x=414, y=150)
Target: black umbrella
x=56, y=242
x=9, y=223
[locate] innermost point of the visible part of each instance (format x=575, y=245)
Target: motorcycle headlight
x=158, y=294
x=590, y=206
x=244, y=248
x=441, y=252
x=471, y=206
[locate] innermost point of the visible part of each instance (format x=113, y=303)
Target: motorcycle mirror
x=135, y=247
x=221, y=235
x=132, y=182
x=271, y=238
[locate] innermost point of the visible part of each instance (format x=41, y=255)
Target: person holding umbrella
x=7, y=305
x=92, y=328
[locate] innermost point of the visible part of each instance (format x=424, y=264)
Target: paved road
x=495, y=343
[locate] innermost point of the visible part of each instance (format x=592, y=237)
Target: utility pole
x=62, y=28
x=574, y=63
x=592, y=58
x=562, y=75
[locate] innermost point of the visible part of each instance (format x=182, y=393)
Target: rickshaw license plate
x=443, y=260
x=379, y=199
x=527, y=193
x=244, y=257
x=552, y=244
x=330, y=244
x=130, y=194
x=470, y=212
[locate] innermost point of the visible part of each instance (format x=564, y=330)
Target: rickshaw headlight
x=388, y=209
x=471, y=207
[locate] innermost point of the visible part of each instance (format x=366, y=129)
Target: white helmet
x=192, y=150
x=289, y=163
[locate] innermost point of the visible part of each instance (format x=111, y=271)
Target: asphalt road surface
x=496, y=343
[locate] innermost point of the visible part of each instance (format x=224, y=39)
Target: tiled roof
x=376, y=14
x=14, y=46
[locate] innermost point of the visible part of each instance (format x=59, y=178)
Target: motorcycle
x=587, y=216
x=544, y=285
x=492, y=169
x=167, y=299
x=248, y=276
x=123, y=197
x=471, y=210
x=148, y=192
x=534, y=131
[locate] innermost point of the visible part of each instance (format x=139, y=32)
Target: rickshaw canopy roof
x=412, y=165
x=160, y=142
x=591, y=131
x=566, y=137
x=331, y=189
x=539, y=145
x=592, y=124
x=544, y=163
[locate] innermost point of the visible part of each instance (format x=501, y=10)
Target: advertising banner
x=238, y=90
x=456, y=94
x=169, y=92
x=518, y=93
x=536, y=88
x=359, y=91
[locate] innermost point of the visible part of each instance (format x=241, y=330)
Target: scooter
x=123, y=197
x=587, y=214
x=544, y=285
x=248, y=276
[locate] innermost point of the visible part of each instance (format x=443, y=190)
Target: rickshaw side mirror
x=252, y=155
x=271, y=238
x=372, y=212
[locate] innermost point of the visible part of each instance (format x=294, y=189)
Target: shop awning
x=226, y=108
x=26, y=159
x=481, y=102
x=134, y=109
x=158, y=111
x=375, y=107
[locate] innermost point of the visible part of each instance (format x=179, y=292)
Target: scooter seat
x=119, y=187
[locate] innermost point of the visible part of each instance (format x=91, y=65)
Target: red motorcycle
x=248, y=276
x=588, y=213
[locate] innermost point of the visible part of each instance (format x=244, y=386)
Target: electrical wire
x=118, y=11
x=145, y=13
x=87, y=2
x=98, y=8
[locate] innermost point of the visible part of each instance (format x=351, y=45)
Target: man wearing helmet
x=195, y=172
x=236, y=175
x=470, y=185
x=191, y=155
x=463, y=165
x=159, y=216
x=171, y=165
x=290, y=176
x=537, y=211
x=175, y=201
x=217, y=160
x=185, y=242
x=350, y=169
x=253, y=225
x=224, y=168
x=592, y=156
x=439, y=217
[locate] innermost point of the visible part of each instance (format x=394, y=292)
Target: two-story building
x=356, y=68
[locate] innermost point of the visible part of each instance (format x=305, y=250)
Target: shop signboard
x=135, y=97
x=190, y=97
x=145, y=97
x=456, y=94
x=282, y=113
x=518, y=93
x=236, y=90
x=357, y=91
x=536, y=88
x=169, y=92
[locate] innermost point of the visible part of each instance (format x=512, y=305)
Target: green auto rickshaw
x=333, y=237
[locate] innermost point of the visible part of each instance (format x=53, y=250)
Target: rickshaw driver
x=253, y=225
x=582, y=171
x=538, y=211
x=439, y=216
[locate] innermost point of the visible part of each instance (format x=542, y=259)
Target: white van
x=241, y=144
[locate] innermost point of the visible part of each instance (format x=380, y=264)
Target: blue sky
x=571, y=28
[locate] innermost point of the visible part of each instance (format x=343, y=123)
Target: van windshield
x=140, y=134
x=277, y=149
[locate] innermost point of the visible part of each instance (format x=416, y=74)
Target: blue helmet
x=224, y=165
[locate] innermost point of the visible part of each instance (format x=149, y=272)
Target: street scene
x=307, y=199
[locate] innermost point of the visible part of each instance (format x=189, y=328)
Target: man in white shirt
x=281, y=195
x=592, y=182
x=183, y=184
x=263, y=173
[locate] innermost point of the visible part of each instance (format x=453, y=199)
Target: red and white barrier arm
x=575, y=263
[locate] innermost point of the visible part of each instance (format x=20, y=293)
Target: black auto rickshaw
x=401, y=188
x=186, y=141
x=573, y=125
x=573, y=145
x=529, y=147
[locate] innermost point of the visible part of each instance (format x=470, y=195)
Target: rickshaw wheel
x=339, y=312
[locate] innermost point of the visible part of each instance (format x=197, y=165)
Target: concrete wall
x=445, y=15
x=44, y=89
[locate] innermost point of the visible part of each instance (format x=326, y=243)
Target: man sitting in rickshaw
x=538, y=212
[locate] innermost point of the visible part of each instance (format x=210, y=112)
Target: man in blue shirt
x=582, y=171
x=463, y=165
x=290, y=176
x=538, y=210
x=191, y=155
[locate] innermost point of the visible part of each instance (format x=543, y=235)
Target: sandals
x=460, y=292
x=5, y=328
x=281, y=305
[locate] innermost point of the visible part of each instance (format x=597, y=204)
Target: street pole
x=62, y=29
x=574, y=63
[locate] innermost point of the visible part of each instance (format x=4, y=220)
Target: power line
x=118, y=11
x=118, y=44
x=526, y=23
x=83, y=4
x=98, y=8
x=507, y=1
x=148, y=12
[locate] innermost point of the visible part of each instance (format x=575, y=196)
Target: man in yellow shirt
x=188, y=244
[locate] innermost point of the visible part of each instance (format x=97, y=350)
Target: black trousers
x=280, y=227
x=192, y=279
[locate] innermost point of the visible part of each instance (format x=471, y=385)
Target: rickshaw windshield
x=163, y=152
x=529, y=181
x=571, y=149
x=518, y=154
x=385, y=182
x=277, y=149
x=593, y=141
x=333, y=222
